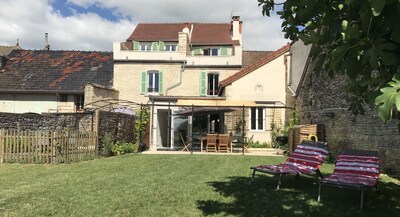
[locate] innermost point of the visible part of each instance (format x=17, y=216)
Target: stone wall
x=323, y=100
x=95, y=93
x=48, y=121
x=121, y=126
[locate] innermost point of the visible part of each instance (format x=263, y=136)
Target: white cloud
x=29, y=20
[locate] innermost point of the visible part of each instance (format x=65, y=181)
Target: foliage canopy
x=357, y=38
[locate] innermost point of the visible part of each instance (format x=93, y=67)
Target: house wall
x=322, y=100
x=271, y=77
x=95, y=93
x=125, y=55
x=22, y=103
x=127, y=79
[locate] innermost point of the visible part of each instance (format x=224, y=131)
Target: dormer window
x=170, y=47
x=145, y=46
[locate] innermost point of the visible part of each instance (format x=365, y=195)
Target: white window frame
x=154, y=86
x=214, y=84
x=145, y=46
x=171, y=47
x=257, y=118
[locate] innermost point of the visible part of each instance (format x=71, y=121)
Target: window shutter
x=143, y=82
x=160, y=82
x=161, y=45
x=154, y=46
x=224, y=51
x=203, y=84
x=136, y=46
x=197, y=51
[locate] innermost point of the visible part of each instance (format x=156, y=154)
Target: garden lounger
x=307, y=158
x=354, y=169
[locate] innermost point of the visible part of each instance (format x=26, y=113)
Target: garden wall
x=323, y=100
x=120, y=126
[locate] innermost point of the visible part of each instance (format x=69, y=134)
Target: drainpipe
x=180, y=78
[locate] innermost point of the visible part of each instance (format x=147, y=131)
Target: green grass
x=179, y=185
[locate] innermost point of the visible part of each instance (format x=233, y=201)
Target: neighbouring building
x=323, y=100
x=40, y=81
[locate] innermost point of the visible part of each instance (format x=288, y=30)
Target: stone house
x=41, y=81
x=323, y=100
x=173, y=66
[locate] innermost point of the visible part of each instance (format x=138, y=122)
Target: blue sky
x=96, y=24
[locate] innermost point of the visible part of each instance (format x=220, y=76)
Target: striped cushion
x=304, y=160
x=355, y=169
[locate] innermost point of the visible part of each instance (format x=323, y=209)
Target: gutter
x=180, y=79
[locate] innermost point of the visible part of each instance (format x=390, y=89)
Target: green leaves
x=377, y=6
x=388, y=100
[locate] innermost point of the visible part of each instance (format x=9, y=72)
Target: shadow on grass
x=297, y=197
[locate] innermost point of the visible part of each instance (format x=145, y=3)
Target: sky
x=96, y=24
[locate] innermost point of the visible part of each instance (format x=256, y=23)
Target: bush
x=120, y=148
x=107, y=145
x=258, y=144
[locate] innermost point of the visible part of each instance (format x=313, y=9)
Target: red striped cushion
x=355, y=169
x=304, y=160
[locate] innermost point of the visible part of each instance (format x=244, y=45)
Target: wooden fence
x=47, y=146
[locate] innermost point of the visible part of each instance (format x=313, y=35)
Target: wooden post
x=2, y=141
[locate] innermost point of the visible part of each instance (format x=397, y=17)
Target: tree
x=356, y=38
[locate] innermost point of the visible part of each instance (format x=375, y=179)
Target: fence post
x=2, y=141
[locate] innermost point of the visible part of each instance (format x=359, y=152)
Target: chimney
x=46, y=41
x=236, y=28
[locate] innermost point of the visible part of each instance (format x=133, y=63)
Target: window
x=257, y=118
x=145, y=46
x=152, y=86
x=212, y=84
x=63, y=97
x=209, y=84
x=210, y=51
x=151, y=82
x=170, y=47
x=259, y=88
x=79, y=102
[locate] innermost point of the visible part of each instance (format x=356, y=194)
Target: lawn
x=179, y=185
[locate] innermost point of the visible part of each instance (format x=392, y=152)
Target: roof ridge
x=64, y=50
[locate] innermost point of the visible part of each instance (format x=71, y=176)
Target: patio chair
x=306, y=159
x=185, y=143
x=223, y=143
x=211, y=143
x=247, y=141
x=354, y=169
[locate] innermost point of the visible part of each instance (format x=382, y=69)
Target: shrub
x=120, y=148
x=107, y=145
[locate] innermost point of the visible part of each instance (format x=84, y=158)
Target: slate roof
x=57, y=71
x=202, y=34
x=254, y=66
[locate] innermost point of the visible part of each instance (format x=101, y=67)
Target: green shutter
x=203, y=84
x=161, y=45
x=154, y=46
x=143, y=82
x=160, y=82
x=197, y=51
x=224, y=51
x=136, y=46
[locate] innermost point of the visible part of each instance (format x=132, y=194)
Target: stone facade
x=323, y=100
x=95, y=93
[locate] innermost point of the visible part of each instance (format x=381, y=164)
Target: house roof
x=202, y=33
x=251, y=57
x=59, y=71
x=254, y=66
x=5, y=50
